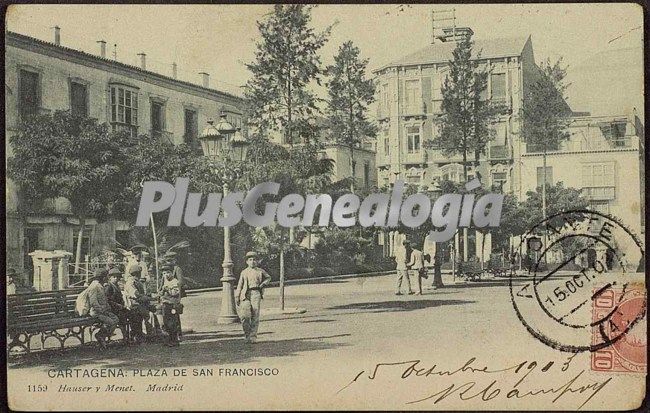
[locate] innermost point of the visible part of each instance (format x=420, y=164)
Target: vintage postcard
x=325, y=207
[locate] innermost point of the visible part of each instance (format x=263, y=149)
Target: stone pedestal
x=50, y=269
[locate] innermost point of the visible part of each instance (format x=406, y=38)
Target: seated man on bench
x=100, y=308
x=115, y=300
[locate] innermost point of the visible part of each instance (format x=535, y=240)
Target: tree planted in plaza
x=466, y=113
x=62, y=155
x=350, y=93
x=287, y=61
x=545, y=115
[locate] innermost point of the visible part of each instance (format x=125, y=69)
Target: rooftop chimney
x=102, y=48
x=143, y=60
x=57, y=35
x=174, y=70
x=206, y=79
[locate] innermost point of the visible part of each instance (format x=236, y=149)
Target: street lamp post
x=218, y=145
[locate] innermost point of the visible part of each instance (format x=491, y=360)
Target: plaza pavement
x=350, y=325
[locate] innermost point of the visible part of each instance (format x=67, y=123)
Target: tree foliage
x=466, y=114
x=350, y=93
x=64, y=155
x=545, y=114
x=286, y=63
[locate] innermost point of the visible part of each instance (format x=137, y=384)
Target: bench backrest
x=42, y=306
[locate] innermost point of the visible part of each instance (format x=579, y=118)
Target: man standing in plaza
x=402, y=257
x=134, y=290
x=170, y=260
x=100, y=308
x=417, y=264
x=249, y=293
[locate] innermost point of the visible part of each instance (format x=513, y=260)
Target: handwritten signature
x=472, y=390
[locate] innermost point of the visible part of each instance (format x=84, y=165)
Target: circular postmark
x=575, y=258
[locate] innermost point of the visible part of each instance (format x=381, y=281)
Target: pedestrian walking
x=402, y=257
x=100, y=308
x=416, y=263
x=249, y=293
x=170, y=297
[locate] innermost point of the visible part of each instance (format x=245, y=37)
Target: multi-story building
x=409, y=103
x=41, y=77
x=604, y=156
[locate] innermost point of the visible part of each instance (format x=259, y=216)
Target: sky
x=220, y=39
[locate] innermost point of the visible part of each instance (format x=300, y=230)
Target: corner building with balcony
x=409, y=105
x=42, y=77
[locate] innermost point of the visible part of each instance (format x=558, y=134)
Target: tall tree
x=350, y=93
x=546, y=115
x=286, y=63
x=466, y=113
x=70, y=156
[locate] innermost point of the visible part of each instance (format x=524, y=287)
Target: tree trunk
x=544, y=196
x=282, y=279
x=352, y=169
x=437, y=273
x=80, y=234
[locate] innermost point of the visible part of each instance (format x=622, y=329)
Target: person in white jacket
x=402, y=259
x=417, y=264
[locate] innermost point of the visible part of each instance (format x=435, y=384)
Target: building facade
x=42, y=77
x=603, y=157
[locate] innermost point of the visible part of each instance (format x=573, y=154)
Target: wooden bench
x=46, y=314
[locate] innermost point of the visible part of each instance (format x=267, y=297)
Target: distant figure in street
x=100, y=308
x=417, y=264
x=11, y=285
x=116, y=301
x=170, y=297
x=402, y=257
x=249, y=293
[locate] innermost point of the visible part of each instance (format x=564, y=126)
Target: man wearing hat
x=170, y=297
x=169, y=259
x=116, y=301
x=100, y=308
x=402, y=258
x=134, y=290
x=249, y=293
x=11, y=285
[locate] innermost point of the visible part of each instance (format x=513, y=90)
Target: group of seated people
x=130, y=306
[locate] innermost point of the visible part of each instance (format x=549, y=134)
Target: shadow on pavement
x=398, y=305
x=204, y=351
x=318, y=321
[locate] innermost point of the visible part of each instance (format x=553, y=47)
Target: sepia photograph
x=325, y=207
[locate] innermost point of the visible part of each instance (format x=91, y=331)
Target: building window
x=499, y=179
x=387, y=145
x=413, y=139
x=29, y=94
x=190, y=137
x=354, y=169
x=498, y=85
x=452, y=172
x=78, y=99
x=157, y=119
x=124, y=109
x=366, y=174
x=599, y=206
x=385, y=102
x=413, y=96
x=598, y=181
x=540, y=176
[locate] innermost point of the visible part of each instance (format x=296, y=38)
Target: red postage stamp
x=616, y=320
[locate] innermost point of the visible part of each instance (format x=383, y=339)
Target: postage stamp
x=586, y=254
x=619, y=307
